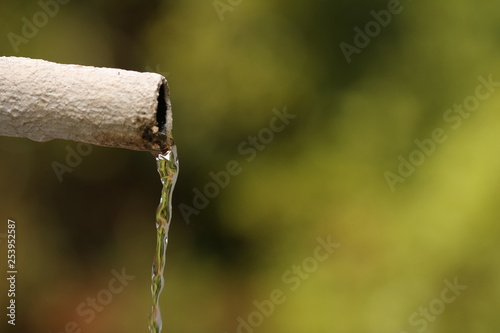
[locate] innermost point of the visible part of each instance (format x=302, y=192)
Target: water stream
x=168, y=166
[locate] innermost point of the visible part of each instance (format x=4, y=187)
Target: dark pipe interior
x=161, y=112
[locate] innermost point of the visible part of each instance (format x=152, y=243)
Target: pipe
x=110, y=107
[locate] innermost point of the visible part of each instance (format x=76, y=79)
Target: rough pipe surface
x=42, y=100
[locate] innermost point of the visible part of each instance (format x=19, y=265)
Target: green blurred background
x=322, y=176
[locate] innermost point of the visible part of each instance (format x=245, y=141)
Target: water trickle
x=168, y=166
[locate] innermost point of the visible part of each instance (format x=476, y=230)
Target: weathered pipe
x=42, y=100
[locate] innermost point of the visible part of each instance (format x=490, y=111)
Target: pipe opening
x=161, y=111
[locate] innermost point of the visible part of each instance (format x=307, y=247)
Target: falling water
x=168, y=167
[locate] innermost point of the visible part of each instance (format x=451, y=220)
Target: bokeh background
x=322, y=176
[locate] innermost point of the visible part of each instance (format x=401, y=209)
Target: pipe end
x=160, y=135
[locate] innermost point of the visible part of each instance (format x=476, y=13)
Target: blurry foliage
x=322, y=175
